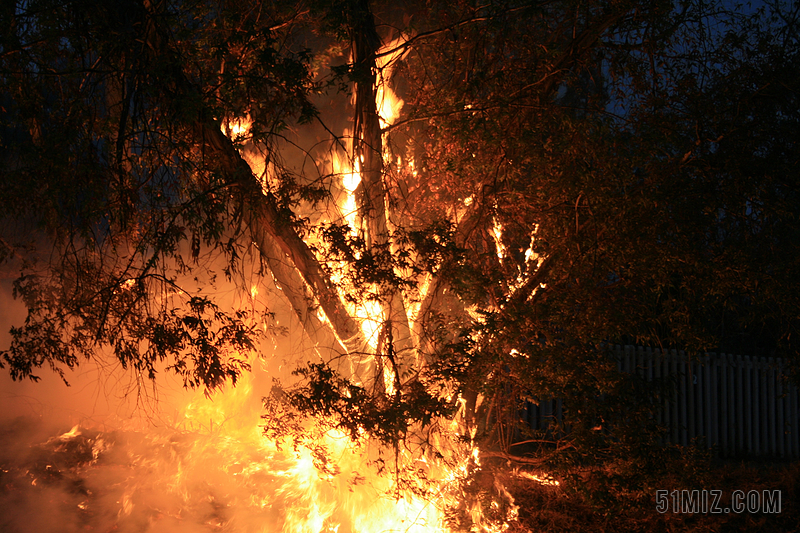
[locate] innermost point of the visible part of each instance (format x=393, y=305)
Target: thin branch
x=465, y=22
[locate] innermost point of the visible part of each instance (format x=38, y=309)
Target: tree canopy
x=561, y=176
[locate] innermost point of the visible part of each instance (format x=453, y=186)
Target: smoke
x=113, y=453
x=131, y=481
x=109, y=453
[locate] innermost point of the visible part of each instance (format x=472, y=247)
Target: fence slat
x=722, y=370
x=781, y=402
x=682, y=414
x=756, y=392
x=656, y=366
x=773, y=437
x=710, y=408
x=676, y=415
x=668, y=413
x=763, y=385
x=794, y=422
x=691, y=386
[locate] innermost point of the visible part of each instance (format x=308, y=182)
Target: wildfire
x=389, y=105
x=212, y=469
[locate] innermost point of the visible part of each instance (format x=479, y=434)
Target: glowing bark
x=368, y=152
x=270, y=229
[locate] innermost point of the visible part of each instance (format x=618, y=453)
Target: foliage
x=109, y=208
x=627, y=194
x=563, y=176
x=337, y=403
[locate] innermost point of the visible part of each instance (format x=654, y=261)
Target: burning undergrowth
x=88, y=480
x=214, y=471
x=169, y=480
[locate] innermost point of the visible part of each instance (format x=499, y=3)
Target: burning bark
x=368, y=152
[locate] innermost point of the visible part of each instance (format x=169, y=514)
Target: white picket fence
x=740, y=405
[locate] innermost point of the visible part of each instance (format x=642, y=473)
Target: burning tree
x=518, y=185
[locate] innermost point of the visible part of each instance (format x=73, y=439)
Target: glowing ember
x=497, y=234
x=543, y=479
x=237, y=128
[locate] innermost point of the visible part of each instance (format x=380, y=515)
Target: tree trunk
x=368, y=154
x=269, y=227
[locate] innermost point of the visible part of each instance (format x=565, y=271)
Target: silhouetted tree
x=563, y=175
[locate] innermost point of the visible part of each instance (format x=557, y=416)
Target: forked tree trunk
x=293, y=264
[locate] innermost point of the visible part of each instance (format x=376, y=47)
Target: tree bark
x=270, y=228
x=368, y=153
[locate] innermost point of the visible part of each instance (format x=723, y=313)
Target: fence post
x=682, y=414
x=748, y=400
x=781, y=401
x=793, y=420
x=628, y=350
x=773, y=438
x=699, y=400
x=710, y=400
x=659, y=404
x=691, y=400
x=763, y=387
x=736, y=415
x=760, y=426
x=741, y=416
x=676, y=415
x=722, y=371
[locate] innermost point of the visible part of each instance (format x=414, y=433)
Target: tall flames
x=212, y=469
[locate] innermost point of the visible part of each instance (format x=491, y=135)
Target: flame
x=351, y=178
x=389, y=106
x=497, y=234
x=344, y=496
x=369, y=313
x=541, y=478
x=213, y=470
x=69, y=435
x=387, y=102
x=215, y=461
x=238, y=129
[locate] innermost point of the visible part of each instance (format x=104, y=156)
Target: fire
x=389, y=105
x=238, y=128
x=497, y=235
x=368, y=312
x=346, y=495
x=540, y=478
x=212, y=469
